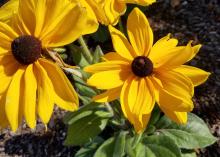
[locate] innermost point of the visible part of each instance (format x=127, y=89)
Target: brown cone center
x=142, y=66
x=26, y=49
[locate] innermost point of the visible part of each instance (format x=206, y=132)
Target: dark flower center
x=26, y=49
x=142, y=66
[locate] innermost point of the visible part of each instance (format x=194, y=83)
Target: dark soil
x=197, y=20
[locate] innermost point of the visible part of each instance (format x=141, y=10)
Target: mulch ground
x=197, y=20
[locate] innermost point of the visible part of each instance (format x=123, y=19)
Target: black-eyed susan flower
x=8, y=9
x=30, y=84
x=108, y=12
x=141, y=73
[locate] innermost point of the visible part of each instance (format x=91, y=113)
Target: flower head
x=31, y=84
x=108, y=12
x=141, y=73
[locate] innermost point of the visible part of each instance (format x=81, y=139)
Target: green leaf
x=163, y=143
x=85, y=100
x=86, y=128
x=143, y=151
x=188, y=153
x=85, y=124
x=78, y=57
x=155, y=115
x=150, y=129
x=106, y=149
x=97, y=54
x=195, y=134
x=157, y=146
x=120, y=145
x=89, y=149
x=85, y=90
x=129, y=147
x=113, y=147
x=70, y=116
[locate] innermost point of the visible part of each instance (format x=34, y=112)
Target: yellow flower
x=141, y=73
x=7, y=10
x=108, y=12
x=30, y=84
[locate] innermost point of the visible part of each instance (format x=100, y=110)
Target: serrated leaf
x=78, y=57
x=97, y=54
x=195, y=134
x=85, y=90
x=85, y=100
x=85, y=128
x=164, y=143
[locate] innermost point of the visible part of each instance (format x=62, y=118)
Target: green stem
x=137, y=139
x=86, y=52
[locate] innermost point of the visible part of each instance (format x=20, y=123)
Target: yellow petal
x=137, y=102
x=176, y=93
x=7, y=10
x=113, y=10
x=196, y=49
x=7, y=35
x=29, y=102
x=108, y=79
x=140, y=126
x=124, y=99
x=7, y=69
x=162, y=46
x=178, y=117
x=196, y=75
x=65, y=95
x=90, y=12
x=40, y=11
x=109, y=95
x=3, y=118
x=121, y=44
x=156, y=86
x=173, y=57
x=107, y=66
x=66, y=22
x=21, y=21
x=139, y=32
x=140, y=97
x=98, y=9
x=110, y=56
x=141, y=2
x=12, y=100
x=45, y=94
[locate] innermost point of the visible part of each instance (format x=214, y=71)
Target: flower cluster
x=139, y=72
